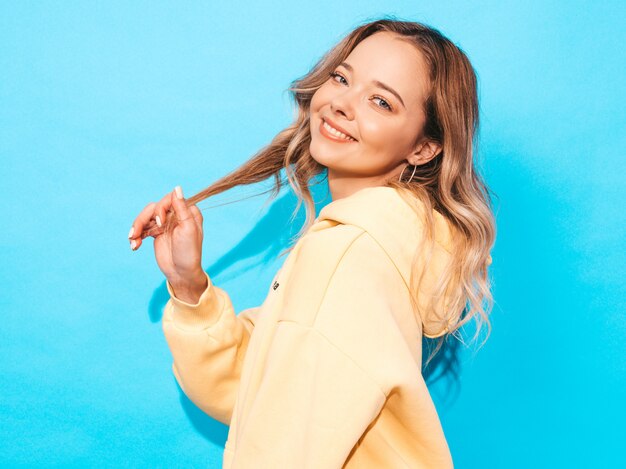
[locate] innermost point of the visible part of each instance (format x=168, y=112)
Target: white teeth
x=336, y=133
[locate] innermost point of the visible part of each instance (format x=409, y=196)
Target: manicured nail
x=179, y=192
x=130, y=233
x=158, y=220
x=133, y=244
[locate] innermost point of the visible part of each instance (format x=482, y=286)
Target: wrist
x=190, y=291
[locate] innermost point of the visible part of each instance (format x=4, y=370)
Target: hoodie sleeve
x=208, y=343
x=321, y=387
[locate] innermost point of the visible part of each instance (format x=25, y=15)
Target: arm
x=208, y=343
x=326, y=380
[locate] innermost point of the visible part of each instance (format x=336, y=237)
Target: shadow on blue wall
x=210, y=429
x=445, y=366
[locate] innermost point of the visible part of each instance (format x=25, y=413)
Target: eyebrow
x=377, y=83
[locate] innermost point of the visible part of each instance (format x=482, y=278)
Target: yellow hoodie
x=326, y=373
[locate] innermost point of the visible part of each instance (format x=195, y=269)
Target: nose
x=342, y=104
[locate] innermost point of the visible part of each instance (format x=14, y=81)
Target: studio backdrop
x=107, y=106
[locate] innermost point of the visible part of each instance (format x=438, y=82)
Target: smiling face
x=376, y=99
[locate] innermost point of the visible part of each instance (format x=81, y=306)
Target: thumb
x=180, y=207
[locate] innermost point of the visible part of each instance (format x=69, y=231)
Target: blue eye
x=386, y=105
x=335, y=74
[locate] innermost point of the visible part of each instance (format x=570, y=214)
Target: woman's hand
x=179, y=252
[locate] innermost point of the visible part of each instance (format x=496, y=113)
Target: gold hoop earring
x=413, y=174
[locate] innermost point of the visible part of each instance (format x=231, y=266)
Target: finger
x=162, y=208
x=180, y=207
x=197, y=215
x=159, y=216
x=151, y=230
x=139, y=224
x=142, y=220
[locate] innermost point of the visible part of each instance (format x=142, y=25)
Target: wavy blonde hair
x=448, y=183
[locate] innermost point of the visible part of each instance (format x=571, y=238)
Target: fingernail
x=132, y=230
x=133, y=244
x=179, y=192
x=158, y=220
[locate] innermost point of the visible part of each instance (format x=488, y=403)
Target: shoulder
x=328, y=252
x=322, y=236
x=357, y=301
x=344, y=257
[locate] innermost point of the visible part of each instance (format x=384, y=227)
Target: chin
x=315, y=152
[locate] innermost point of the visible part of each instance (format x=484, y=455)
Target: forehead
x=386, y=57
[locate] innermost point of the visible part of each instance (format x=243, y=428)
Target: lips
x=330, y=134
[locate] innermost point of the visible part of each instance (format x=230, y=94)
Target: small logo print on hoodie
x=275, y=286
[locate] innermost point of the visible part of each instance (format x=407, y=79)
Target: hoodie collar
x=389, y=219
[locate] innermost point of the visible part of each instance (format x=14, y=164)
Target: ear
x=424, y=152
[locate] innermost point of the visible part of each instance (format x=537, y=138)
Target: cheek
x=313, y=107
x=388, y=141
x=317, y=99
x=377, y=133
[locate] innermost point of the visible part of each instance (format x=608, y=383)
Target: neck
x=341, y=185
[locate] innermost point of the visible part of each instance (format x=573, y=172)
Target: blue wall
x=107, y=106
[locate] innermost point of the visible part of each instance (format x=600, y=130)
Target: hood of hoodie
x=398, y=228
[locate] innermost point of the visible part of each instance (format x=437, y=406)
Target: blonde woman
x=327, y=372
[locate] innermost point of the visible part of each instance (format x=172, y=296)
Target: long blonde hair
x=448, y=183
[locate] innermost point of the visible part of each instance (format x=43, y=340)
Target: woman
x=326, y=373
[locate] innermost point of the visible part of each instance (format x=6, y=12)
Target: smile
x=333, y=134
